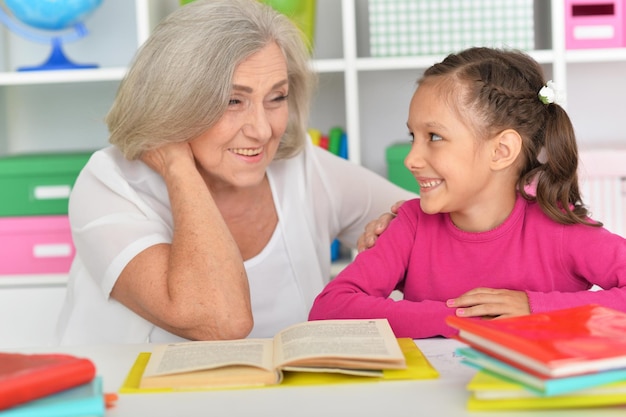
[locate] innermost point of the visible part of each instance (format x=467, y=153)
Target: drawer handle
x=53, y=250
x=594, y=32
x=51, y=192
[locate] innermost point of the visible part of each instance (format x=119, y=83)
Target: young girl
x=478, y=243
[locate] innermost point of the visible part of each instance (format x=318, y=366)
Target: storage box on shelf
x=35, y=245
x=595, y=24
x=38, y=183
x=424, y=27
x=602, y=173
x=397, y=172
x=35, y=235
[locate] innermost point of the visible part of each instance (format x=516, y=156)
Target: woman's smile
x=246, y=151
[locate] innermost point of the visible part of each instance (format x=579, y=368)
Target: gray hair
x=180, y=81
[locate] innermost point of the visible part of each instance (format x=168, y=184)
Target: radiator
x=602, y=175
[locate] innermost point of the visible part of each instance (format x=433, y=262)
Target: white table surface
x=442, y=397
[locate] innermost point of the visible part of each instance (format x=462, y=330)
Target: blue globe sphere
x=51, y=14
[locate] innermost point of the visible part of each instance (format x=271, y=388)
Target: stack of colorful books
x=50, y=385
x=569, y=358
x=335, y=142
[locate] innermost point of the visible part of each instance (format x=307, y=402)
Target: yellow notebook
x=486, y=388
x=418, y=367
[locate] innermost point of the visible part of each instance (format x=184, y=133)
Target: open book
x=358, y=347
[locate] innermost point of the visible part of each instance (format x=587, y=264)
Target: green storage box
x=396, y=171
x=38, y=184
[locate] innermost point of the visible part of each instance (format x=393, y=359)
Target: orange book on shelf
x=558, y=343
x=24, y=377
x=323, y=143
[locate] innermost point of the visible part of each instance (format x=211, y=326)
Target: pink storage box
x=594, y=24
x=35, y=245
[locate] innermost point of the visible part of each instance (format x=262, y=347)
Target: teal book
x=81, y=401
x=544, y=386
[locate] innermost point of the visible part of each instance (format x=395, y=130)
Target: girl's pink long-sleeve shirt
x=430, y=261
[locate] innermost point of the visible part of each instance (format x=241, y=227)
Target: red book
x=557, y=343
x=27, y=377
x=323, y=142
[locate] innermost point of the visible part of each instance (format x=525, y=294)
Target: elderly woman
x=212, y=214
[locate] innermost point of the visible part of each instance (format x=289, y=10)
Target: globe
x=50, y=15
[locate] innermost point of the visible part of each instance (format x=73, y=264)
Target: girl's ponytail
x=557, y=190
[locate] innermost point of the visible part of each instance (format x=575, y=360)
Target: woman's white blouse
x=119, y=208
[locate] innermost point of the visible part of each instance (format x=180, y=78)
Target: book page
x=374, y=373
x=193, y=356
x=345, y=343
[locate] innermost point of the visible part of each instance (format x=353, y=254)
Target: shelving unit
x=350, y=80
x=62, y=111
x=367, y=96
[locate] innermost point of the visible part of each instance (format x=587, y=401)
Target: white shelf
x=43, y=280
x=595, y=55
x=62, y=76
x=319, y=65
x=421, y=62
x=328, y=65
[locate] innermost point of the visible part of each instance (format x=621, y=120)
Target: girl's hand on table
x=490, y=303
